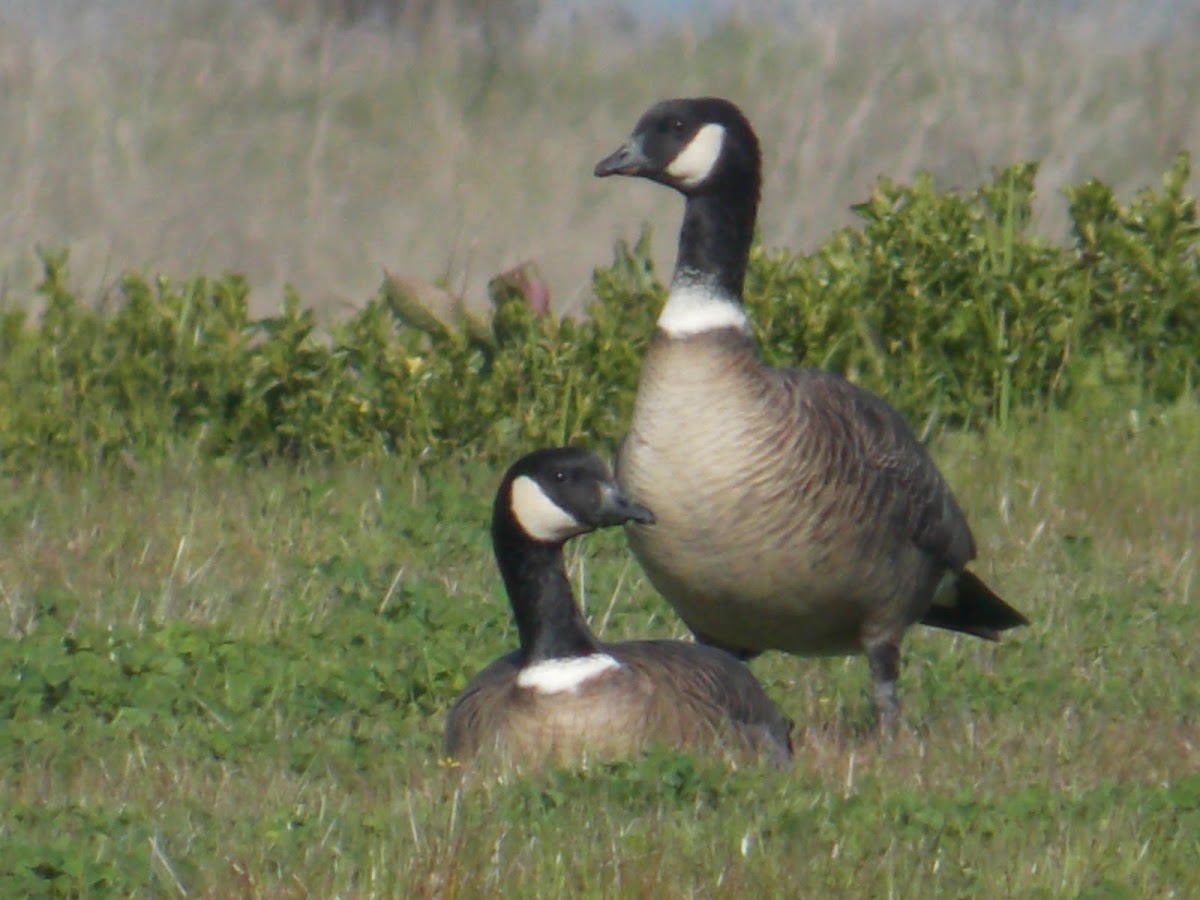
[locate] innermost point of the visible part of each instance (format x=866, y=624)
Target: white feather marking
x=540, y=517
x=695, y=309
x=695, y=161
x=554, y=676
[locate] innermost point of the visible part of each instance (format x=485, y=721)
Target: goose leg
x=884, y=659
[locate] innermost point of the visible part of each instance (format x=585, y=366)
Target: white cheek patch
x=539, y=516
x=553, y=676
x=695, y=161
x=695, y=309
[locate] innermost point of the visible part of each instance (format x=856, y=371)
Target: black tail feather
x=977, y=610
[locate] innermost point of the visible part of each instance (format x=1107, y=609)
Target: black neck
x=548, y=619
x=714, y=242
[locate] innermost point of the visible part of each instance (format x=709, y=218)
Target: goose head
x=552, y=495
x=695, y=146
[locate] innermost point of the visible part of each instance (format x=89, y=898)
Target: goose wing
x=710, y=689
x=869, y=443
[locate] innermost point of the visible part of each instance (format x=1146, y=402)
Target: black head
x=694, y=146
x=554, y=495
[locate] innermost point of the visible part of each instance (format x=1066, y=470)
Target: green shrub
x=948, y=307
x=1140, y=271
x=945, y=304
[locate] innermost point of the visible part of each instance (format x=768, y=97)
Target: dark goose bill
x=628, y=159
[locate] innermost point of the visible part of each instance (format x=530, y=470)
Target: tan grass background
x=204, y=136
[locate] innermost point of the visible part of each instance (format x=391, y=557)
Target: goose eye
x=677, y=126
x=560, y=476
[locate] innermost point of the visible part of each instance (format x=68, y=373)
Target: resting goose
x=565, y=695
x=795, y=511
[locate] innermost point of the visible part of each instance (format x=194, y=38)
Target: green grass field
x=227, y=681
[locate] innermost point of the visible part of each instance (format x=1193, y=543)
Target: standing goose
x=565, y=695
x=795, y=511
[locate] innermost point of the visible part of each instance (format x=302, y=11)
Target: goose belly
x=750, y=550
x=741, y=593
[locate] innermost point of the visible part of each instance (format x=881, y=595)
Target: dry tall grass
x=209, y=137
